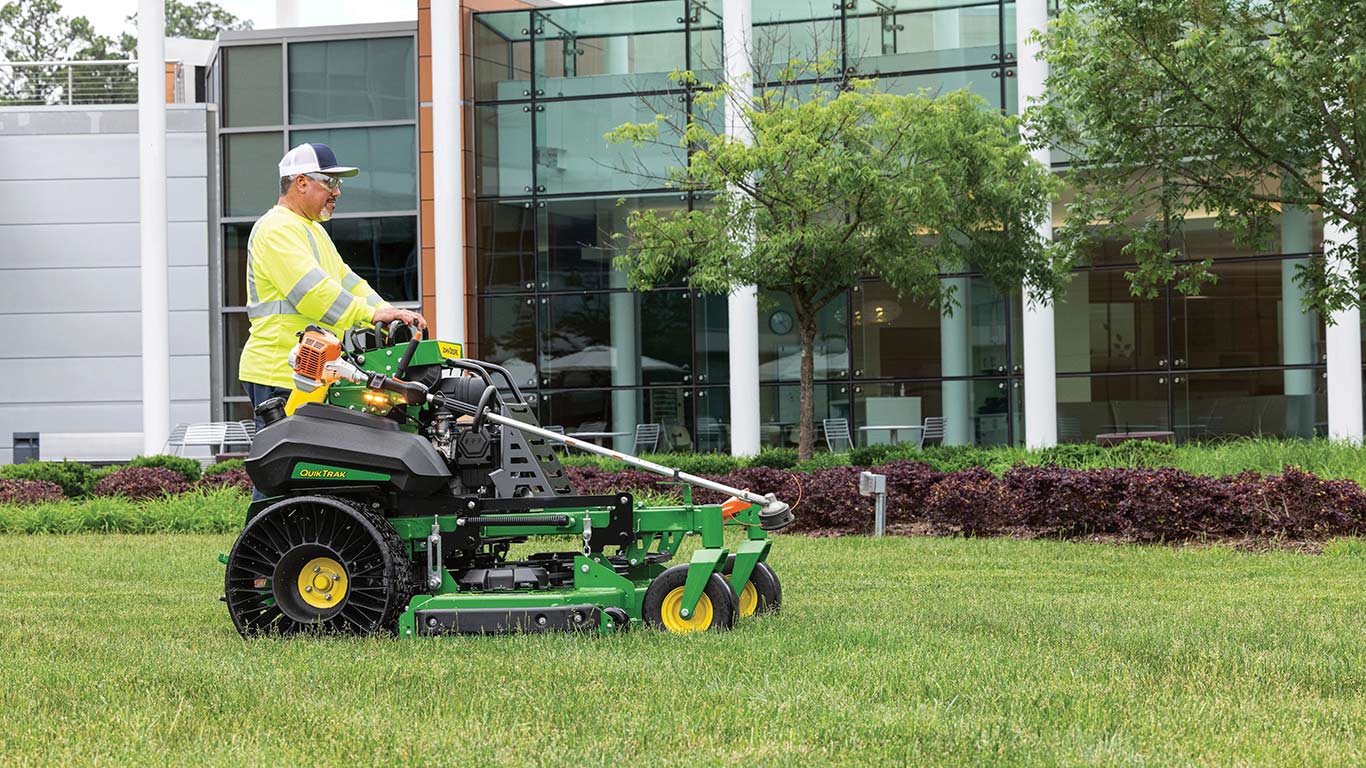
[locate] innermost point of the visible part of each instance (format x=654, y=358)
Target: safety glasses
x=333, y=183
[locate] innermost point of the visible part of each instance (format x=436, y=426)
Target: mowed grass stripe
x=891, y=651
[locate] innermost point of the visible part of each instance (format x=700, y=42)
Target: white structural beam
x=286, y=13
x=1040, y=375
x=448, y=171
x=156, y=317
x=1342, y=339
x=743, y=303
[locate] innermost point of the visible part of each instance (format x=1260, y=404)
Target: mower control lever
x=407, y=358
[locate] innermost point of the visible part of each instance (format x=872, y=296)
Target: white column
x=625, y=359
x=743, y=304
x=156, y=317
x=448, y=172
x=955, y=359
x=1040, y=367
x=287, y=13
x=1343, y=339
x=1297, y=325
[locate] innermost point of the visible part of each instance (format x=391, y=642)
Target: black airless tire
x=317, y=563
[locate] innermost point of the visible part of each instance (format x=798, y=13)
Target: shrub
x=1142, y=453
x=1171, y=505
x=187, y=468
x=142, y=483
x=953, y=458
x=701, y=463
x=224, y=466
x=75, y=478
x=1053, y=501
x=229, y=478
x=972, y=502
x=908, y=489
x=775, y=458
x=823, y=460
x=1074, y=456
x=870, y=455
x=28, y=491
x=1298, y=505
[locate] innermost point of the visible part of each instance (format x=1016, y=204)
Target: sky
x=107, y=16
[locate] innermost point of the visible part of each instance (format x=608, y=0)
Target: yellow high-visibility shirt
x=296, y=278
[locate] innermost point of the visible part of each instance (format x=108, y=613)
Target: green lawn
x=115, y=649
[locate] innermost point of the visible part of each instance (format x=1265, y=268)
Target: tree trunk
x=806, y=323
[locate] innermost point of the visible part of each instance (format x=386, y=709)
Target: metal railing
x=46, y=83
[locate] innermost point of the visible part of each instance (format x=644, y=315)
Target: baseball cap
x=313, y=158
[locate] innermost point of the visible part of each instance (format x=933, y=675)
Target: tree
x=1233, y=107
x=36, y=30
x=200, y=21
x=841, y=185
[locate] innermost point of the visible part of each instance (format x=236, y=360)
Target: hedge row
x=1131, y=504
x=144, y=477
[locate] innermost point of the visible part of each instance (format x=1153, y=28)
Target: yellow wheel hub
x=700, y=619
x=322, y=583
x=749, y=600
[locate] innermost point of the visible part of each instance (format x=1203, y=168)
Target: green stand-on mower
x=398, y=475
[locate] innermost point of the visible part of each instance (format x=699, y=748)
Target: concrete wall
x=70, y=322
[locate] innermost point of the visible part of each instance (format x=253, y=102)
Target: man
x=296, y=278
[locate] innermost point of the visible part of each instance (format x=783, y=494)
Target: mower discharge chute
x=398, y=475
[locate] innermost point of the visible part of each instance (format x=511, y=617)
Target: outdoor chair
x=647, y=437
x=837, y=434
x=933, y=433
x=217, y=435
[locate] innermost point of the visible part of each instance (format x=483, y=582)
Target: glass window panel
x=236, y=328
x=343, y=81
x=505, y=246
x=502, y=148
x=383, y=251
x=975, y=412
x=601, y=49
x=882, y=40
x=577, y=247
x=780, y=412
x=573, y=156
x=238, y=410
x=1252, y=316
x=979, y=81
x=788, y=30
x=589, y=340
x=235, y=264
x=712, y=432
x=1271, y=403
x=666, y=337
x=583, y=411
x=897, y=338
x=1297, y=232
x=705, y=44
x=713, y=338
x=387, y=158
x=1101, y=327
x=1101, y=405
x=253, y=91
x=780, y=346
x=669, y=407
x=507, y=336
x=251, y=178
x=502, y=56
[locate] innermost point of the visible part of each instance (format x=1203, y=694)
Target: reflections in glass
x=502, y=150
x=251, y=172
x=896, y=338
x=572, y=155
x=507, y=336
x=341, y=81
x=502, y=56
x=884, y=38
x=1100, y=405
x=577, y=246
x=235, y=264
x=780, y=412
x=780, y=352
x=1271, y=403
x=1252, y=316
x=666, y=337
x=253, y=87
x=1100, y=326
x=387, y=158
x=382, y=251
x=604, y=49
x=505, y=245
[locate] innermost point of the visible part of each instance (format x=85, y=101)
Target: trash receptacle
x=25, y=447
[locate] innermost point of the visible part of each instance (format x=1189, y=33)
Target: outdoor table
x=894, y=429
x=596, y=437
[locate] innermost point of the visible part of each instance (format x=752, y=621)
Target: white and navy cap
x=313, y=158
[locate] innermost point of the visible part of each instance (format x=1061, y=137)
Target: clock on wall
x=780, y=322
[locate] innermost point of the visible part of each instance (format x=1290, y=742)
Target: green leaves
x=1223, y=109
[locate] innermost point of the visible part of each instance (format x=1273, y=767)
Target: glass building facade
x=355, y=92
x=548, y=83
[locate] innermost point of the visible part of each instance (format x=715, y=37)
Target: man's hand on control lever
x=405, y=316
